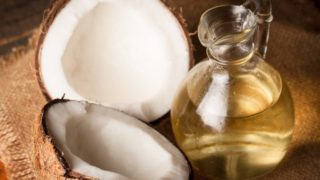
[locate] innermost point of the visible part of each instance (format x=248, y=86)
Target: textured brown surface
x=18, y=107
x=17, y=20
x=3, y=175
x=294, y=49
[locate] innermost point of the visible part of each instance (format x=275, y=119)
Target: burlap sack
x=294, y=49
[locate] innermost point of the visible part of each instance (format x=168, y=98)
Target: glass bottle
x=233, y=116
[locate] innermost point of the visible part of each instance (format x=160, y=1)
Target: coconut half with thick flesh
x=127, y=54
x=91, y=140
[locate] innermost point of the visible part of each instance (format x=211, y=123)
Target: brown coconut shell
x=69, y=173
x=57, y=5
x=43, y=132
x=62, y=167
x=293, y=50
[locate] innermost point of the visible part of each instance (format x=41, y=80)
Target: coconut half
x=127, y=54
x=103, y=143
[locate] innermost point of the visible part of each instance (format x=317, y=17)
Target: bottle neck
x=232, y=62
x=228, y=32
x=233, y=48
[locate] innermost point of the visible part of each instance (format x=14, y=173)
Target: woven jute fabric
x=20, y=104
x=294, y=49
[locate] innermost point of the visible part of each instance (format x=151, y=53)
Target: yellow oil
x=247, y=139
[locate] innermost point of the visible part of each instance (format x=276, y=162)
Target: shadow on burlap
x=294, y=50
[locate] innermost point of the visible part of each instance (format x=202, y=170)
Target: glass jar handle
x=263, y=11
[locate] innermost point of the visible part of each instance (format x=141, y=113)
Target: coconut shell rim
x=49, y=15
x=69, y=173
x=45, y=132
x=53, y=10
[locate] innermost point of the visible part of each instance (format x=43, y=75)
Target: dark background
x=17, y=20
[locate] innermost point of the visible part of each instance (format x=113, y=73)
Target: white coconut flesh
x=107, y=144
x=128, y=54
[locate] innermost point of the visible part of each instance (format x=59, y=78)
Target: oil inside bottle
x=232, y=127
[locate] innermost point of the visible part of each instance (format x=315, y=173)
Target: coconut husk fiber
x=294, y=49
